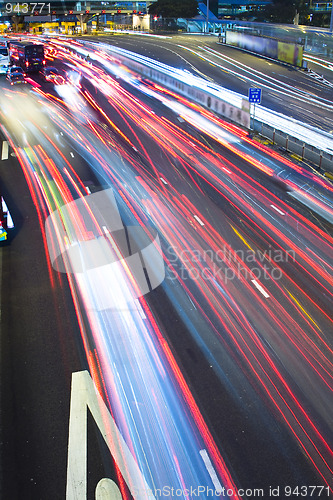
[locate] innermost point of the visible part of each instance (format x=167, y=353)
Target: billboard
x=287, y=52
x=290, y=53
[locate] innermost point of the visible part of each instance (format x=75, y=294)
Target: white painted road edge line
x=260, y=288
x=199, y=220
x=72, y=155
x=164, y=181
x=278, y=210
x=211, y=471
x=4, y=152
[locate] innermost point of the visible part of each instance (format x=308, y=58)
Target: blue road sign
x=255, y=95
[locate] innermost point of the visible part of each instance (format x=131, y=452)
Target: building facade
x=239, y=7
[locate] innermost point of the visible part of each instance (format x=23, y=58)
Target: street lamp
x=207, y=15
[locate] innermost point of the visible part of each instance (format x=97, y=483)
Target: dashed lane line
x=4, y=151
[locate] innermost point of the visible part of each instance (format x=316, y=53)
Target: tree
x=284, y=11
x=174, y=8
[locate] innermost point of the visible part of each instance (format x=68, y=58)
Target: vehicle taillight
x=27, y=63
x=44, y=62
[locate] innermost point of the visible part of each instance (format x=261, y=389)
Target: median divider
x=309, y=143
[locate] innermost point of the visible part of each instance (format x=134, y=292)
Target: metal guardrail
x=321, y=159
x=209, y=97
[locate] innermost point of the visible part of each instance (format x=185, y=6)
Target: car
x=51, y=74
x=14, y=70
x=17, y=78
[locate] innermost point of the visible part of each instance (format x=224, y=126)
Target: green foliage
x=174, y=8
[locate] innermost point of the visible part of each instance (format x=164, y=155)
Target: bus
x=4, y=55
x=29, y=56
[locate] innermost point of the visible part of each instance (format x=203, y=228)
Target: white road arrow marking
x=85, y=396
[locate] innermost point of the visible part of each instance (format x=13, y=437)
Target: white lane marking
x=61, y=133
x=226, y=170
x=84, y=396
x=211, y=471
x=199, y=220
x=189, y=298
x=88, y=190
x=140, y=309
x=164, y=181
x=4, y=152
x=260, y=288
x=278, y=210
x=72, y=155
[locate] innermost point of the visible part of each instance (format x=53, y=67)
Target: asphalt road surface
x=240, y=362
x=290, y=91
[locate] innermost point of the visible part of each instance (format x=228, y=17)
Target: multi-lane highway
x=303, y=95
x=216, y=380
